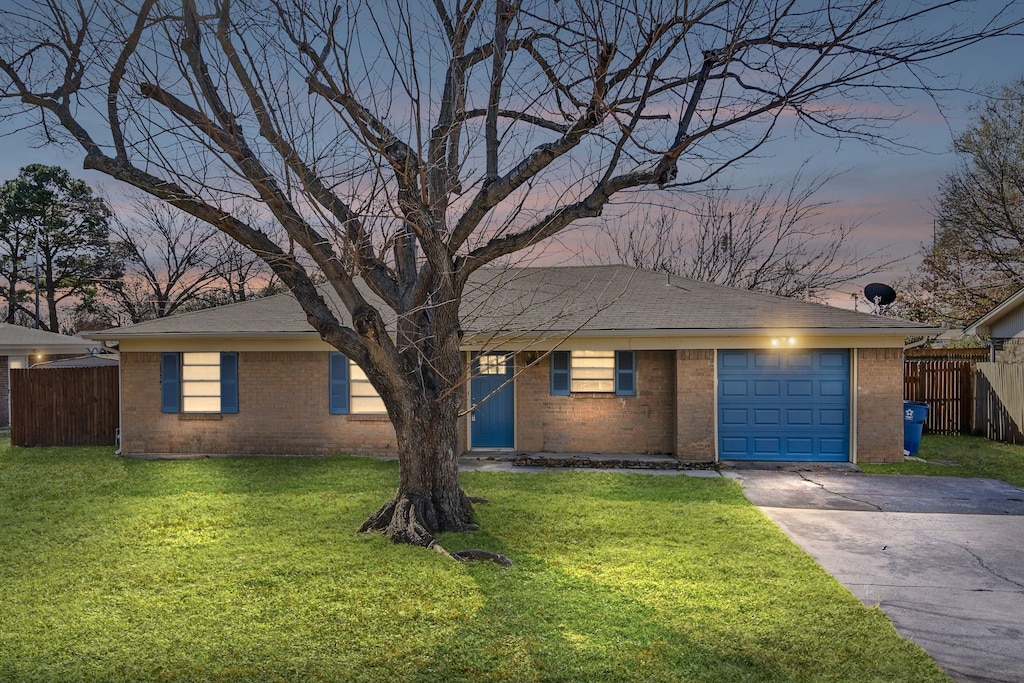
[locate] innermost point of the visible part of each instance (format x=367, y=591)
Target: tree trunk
x=51, y=305
x=429, y=499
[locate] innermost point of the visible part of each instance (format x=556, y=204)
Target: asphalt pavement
x=943, y=557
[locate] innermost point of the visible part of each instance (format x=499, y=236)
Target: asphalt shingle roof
x=16, y=336
x=590, y=299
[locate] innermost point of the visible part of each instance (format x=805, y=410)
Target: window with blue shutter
x=339, y=384
x=201, y=382
x=593, y=372
x=170, y=383
x=625, y=373
x=229, y=382
x=559, y=373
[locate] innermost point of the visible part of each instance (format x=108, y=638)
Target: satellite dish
x=879, y=294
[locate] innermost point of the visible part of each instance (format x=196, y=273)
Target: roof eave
x=114, y=335
x=984, y=324
x=723, y=332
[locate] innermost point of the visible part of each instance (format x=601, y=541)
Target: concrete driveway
x=942, y=556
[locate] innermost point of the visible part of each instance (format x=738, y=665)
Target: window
x=351, y=391
x=593, y=372
x=493, y=363
x=199, y=382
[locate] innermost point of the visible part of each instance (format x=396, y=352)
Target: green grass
x=961, y=456
x=250, y=570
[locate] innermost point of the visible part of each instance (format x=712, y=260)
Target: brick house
x=24, y=347
x=573, y=360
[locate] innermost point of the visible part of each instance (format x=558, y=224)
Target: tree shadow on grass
x=541, y=622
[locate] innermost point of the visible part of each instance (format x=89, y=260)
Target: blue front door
x=492, y=418
x=784, y=405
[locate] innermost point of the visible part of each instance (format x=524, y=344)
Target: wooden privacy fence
x=945, y=385
x=999, y=401
x=64, y=406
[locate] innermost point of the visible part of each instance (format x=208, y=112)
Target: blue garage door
x=784, y=405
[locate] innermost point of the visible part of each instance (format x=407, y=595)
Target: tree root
x=415, y=519
x=470, y=554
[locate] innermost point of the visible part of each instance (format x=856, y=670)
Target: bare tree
x=977, y=257
x=169, y=261
x=775, y=240
x=240, y=275
x=403, y=146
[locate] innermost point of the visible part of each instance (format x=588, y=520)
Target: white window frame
x=200, y=382
x=363, y=399
x=592, y=372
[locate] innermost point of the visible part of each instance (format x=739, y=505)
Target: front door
x=492, y=417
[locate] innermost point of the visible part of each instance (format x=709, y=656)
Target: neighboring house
x=1004, y=325
x=641, y=363
x=91, y=361
x=24, y=347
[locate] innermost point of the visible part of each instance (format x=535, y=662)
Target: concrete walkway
x=521, y=461
x=942, y=556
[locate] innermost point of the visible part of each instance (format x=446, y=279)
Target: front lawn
x=250, y=570
x=961, y=456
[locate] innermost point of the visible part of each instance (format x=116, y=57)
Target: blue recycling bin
x=914, y=415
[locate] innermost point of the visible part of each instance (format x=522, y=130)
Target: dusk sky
x=891, y=190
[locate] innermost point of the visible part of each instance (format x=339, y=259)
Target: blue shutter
x=170, y=383
x=339, y=384
x=229, y=382
x=560, y=373
x=625, y=373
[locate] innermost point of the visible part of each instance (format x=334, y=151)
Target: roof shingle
x=558, y=300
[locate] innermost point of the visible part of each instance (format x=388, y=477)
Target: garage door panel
x=799, y=447
x=767, y=417
x=807, y=418
x=766, y=445
x=799, y=388
x=799, y=417
x=733, y=387
x=836, y=388
x=835, y=447
x=734, y=446
x=733, y=360
x=797, y=360
x=735, y=416
x=832, y=418
x=833, y=359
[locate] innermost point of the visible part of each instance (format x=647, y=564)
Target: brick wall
x=695, y=405
x=283, y=409
x=597, y=423
x=879, y=405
